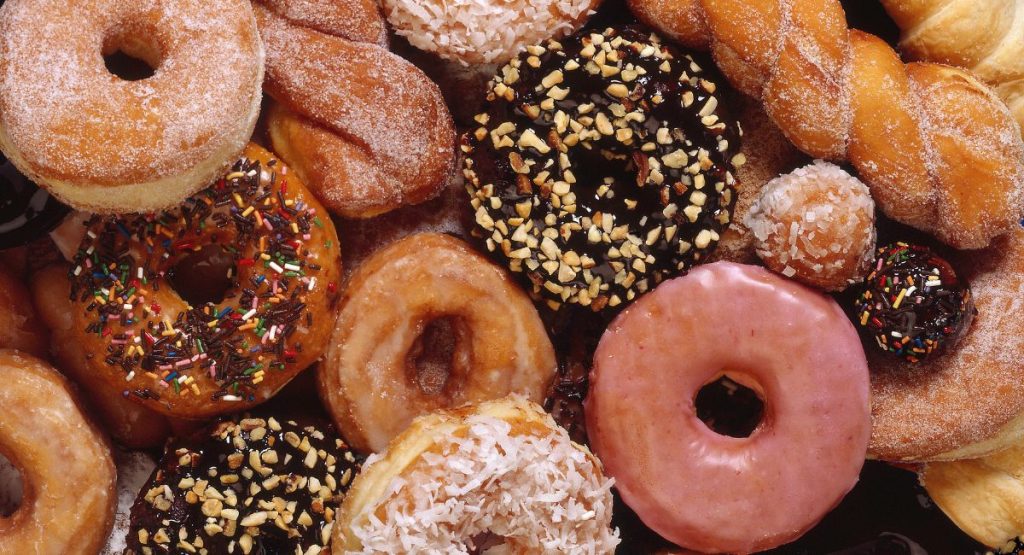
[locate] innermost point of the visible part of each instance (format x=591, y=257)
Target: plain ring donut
x=377, y=376
x=69, y=476
x=106, y=144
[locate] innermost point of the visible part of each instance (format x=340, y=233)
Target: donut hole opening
x=12, y=487
x=729, y=408
x=432, y=361
x=203, y=276
x=131, y=53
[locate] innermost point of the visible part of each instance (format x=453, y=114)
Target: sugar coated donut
x=484, y=31
x=265, y=257
x=251, y=484
x=815, y=225
x=501, y=468
x=107, y=144
x=427, y=323
x=601, y=166
x=792, y=346
x=64, y=461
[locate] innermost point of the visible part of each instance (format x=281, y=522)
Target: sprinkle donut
x=273, y=315
x=501, y=467
x=427, y=323
x=793, y=347
x=601, y=166
x=106, y=144
x=69, y=476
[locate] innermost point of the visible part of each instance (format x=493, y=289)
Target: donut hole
x=433, y=361
x=12, y=487
x=729, y=408
x=131, y=53
x=203, y=276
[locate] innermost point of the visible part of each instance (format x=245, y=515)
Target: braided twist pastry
x=938, y=149
x=986, y=37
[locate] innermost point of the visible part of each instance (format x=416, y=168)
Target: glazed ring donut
x=105, y=144
x=792, y=346
x=69, y=476
x=502, y=467
x=273, y=252
x=427, y=323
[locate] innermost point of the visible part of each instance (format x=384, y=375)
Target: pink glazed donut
x=711, y=492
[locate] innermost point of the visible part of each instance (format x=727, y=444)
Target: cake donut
x=794, y=347
x=257, y=256
x=355, y=20
x=105, y=144
x=427, y=323
x=501, y=469
x=251, y=484
x=601, y=166
x=64, y=461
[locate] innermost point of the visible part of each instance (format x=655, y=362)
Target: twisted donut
x=938, y=149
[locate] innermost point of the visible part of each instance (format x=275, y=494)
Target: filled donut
x=259, y=258
x=601, y=166
x=708, y=491
x=461, y=481
x=426, y=324
x=107, y=144
x=64, y=461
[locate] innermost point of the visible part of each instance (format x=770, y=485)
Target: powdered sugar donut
x=484, y=31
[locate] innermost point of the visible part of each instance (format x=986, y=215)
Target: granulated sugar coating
x=356, y=20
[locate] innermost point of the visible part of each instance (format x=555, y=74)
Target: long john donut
x=939, y=150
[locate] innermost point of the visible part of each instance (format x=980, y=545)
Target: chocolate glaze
x=26, y=211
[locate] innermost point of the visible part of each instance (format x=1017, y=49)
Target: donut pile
x=589, y=299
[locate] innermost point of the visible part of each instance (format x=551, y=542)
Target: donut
x=484, y=31
x=967, y=401
x=128, y=423
x=133, y=470
x=792, y=347
x=815, y=225
x=601, y=166
x=106, y=144
x=427, y=323
x=500, y=468
x=356, y=20
x=64, y=462
x=257, y=259
x=26, y=211
x=912, y=304
x=20, y=327
x=251, y=484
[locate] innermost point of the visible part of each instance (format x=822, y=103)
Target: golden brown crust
x=819, y=83
x=363, y=94
x=19, y=327
x=64, y=460
x=356, y=20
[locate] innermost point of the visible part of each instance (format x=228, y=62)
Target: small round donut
x=794, y=347
x=501, y=468
x=427, y=323
x=251, y=484
x=815, y=225
x=257, y=256
x=64, y=461
x=20, y=328
x=26, y=211
x=484, y=31
x=601, y=167
x=106, y=144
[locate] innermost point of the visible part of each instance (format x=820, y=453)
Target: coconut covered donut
x=427, y=324
x=65, y=463
x=260, y=259
x=501, y=467
x=106, y=144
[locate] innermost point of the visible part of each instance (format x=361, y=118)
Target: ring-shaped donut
x=377, y=376
x=711, y=492
x=107, y=144
x=64, y=461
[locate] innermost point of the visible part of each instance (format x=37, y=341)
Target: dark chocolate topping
x=601, y=167
x=26, y=211
x=912, y=304
x=249, y=486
